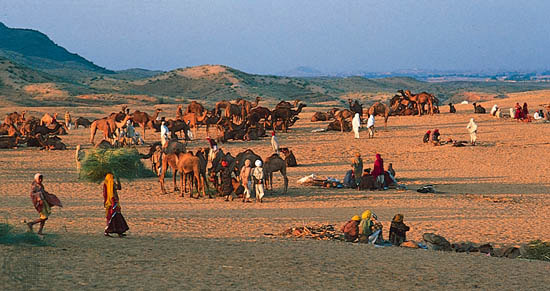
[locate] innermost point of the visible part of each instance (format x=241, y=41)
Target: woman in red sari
x=519, y=112
x=42, y=201
x=115, y=221
x=378, y=171
x=525, y=111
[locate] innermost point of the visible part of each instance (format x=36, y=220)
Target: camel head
x=296, y=102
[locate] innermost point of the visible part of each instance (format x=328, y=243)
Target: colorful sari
x=115, y=221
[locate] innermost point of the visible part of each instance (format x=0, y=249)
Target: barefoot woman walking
x=42, y=201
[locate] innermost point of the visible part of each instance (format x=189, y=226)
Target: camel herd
x=404, y=103
x=18, y=129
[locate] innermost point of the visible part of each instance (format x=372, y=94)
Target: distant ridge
x=302, y=71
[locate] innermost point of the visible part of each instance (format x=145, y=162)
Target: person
x=426, y=137
x=367, y=181
x=356, y=124
x=435, y=137
x=349, y=179
x=357, y=165
x=452, y=108
x=79, y=156
x=68, y=119
x=351, y=229
x=519, y=112
x=512, y=113
x=245, y=180
x=227, y=185
x=115, y=221
x=370, y=125
x=164, y=133
x=472, y=128
x=525, y=111
x=494, y=110
x=538, y=115
x=378, y=172
x=274, y=143
x=130, y=135
x=391, y=173
x=42, y=201
x=258, y=176
x=369, y=228
x=398, y=230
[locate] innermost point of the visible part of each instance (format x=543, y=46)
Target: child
x=398, y=230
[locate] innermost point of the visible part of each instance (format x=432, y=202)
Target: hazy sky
x=271, y=36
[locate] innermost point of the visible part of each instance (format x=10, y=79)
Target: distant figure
x=115, y=221
x=472, y=128
x=378, y=172
x=78, y=156
x=245, y=180
x=498, y=114
x=426, y=137
x=452, y=108
x=274, y=143
x=519, y=112
x=164, y=133
x=356, y=124
x=494, y=110
x=435, y=137
x=538, y=115
x=68, y=120
x=227, y=185
x=512, y=113
x=525, y=111
x=42, y=201
x=258, y=175
x=357, y=165
x=370, y=125
x=351, y=229
x=398, y=230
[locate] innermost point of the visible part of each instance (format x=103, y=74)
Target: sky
x=269, y=37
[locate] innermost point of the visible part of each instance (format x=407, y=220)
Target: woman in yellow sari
x=115, y=221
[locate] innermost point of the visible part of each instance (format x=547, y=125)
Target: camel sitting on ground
x=322, y=116
x=145, y=120
x=339, y=125
x=8, y=129
x=81, y=121
x=420, y=99
x=15, y=118
x=380, y=109
x=341, y=117
x=48, y=119
x=478, y=108
x=50, y=143
x=285, y=115
x=272, y=164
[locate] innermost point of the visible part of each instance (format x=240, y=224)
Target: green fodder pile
x=122, y=163
x=537, y=250
x=9, y=237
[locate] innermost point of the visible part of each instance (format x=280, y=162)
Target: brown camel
x=341, y=115
x=51, y=143
x=194, y=119
x=81, y=121
x=108, y=126
x=420, y=99
x=356, y=107
x=285, y=115
x=286, y=104
x=194, y=107
x=221, y=105
x=190, y=164
x=380, y=109
x=235, y=112
x=246, y=105
x=15, y=118
x=272, y=164
x=8, y=129
x=144, y=119
x=322, y=116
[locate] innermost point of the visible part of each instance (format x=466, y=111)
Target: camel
x=170, y=159
x=107, y=126
x=420, y=99
x=81, y=121
x=144, y=119
x=246, y=105
x=193, y=120
x=287, y=105
x=322, y=116
x=9, y=142
x=8, y=129
x=194, y=107
x=187, y=164
x=272, y=164
x=50, y=143
x=478, y=108
x=285, y=115
x=356, y=107
x=341, y=115
x=221, y=105
x=289, y=157
x=15, y=118
x=380, y=109
x=48, y=119
x=234, y=111
x=339, y=125
x=210, y=120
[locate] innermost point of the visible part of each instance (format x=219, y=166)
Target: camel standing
x=108, y=126
x=420, y=99
x=285, y=115
x=246, y=105
x=187, y=164
x=144, y=119
x=380, y=109
x=194, y=107
x=272, y=164
x=193, y=120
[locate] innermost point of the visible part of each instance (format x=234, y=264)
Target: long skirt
x=117, y=224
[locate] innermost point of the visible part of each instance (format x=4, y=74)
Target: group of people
x=367, y=229
x=44, y=201
x=434, y=137
x=356, y=125
x=365, y=179
x=251, y=179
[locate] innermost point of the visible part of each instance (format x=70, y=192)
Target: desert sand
x=496, y=192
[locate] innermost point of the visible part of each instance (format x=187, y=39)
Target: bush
x=537, y=250
x=122, y=163
x=8, y=237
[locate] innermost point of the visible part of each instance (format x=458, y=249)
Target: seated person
x=426, y=137
x=452, y=108
x=538, y=115
x=370, y=230
x=391, y=175
x=398, y=230
x=351, y=229
x=349, y=179
x=435, y=137
x=367, y=181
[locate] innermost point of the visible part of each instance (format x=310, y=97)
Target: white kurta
x=356, y=124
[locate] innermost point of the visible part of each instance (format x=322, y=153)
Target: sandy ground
x=495, y=192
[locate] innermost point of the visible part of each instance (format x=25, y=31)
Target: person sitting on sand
x=452, y=108
x=351, y=229
x=435, y=137
x=391, y=173
x=538, y=115
x=357, y=165
x=398, y=230
x=426, y=137
x=367, y=181
x=369, y=228
x=378, y=172
x=42, y=201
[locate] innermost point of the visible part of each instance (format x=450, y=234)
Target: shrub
x=123, y=163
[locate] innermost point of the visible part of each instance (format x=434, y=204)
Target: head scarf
x=110, y=190
x=273, y=133
x=428, y=132
x=366, y=214
x=37, y=176
x=356, y=218
x=258, y=163
x=398, y=218
x=224, y=164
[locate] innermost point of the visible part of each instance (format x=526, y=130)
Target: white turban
x=258, y=163
x=36, y=176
